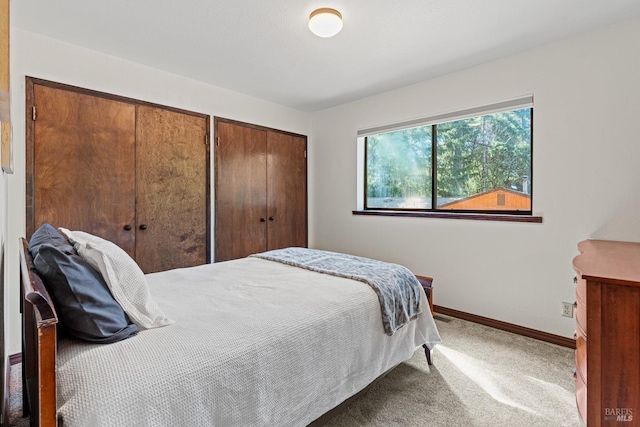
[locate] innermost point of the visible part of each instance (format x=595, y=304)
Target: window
x=477, y=160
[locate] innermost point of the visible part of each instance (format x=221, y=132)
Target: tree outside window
x=481, y=164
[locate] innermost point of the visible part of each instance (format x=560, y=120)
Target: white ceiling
x=263, y=48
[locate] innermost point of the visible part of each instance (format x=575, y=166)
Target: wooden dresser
x=608, y=313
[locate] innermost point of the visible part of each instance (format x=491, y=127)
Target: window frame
x=436, y=212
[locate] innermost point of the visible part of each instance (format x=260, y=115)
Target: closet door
x=286, y=190
x=81, y=164
x=171, y=189
x=241, y=191
x=131, y=172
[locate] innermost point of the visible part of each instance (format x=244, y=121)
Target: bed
x=252, y=342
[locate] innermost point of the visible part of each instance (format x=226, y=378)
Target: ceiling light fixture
x=325, y=22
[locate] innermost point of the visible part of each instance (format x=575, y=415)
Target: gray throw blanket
x=397, y=288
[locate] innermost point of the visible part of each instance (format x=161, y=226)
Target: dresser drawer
x=581, y=397
x=581, y=290
x=581, y=319
x=580, y=331
x=581, y=359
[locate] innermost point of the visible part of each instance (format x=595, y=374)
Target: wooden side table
x=427, y=285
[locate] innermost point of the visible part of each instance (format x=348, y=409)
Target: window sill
x=454, y=215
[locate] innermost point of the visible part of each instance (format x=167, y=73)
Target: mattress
x=254, y=343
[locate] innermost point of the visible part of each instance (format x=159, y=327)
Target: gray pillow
x=46, y=234
x=123, y=277
x=86, y=309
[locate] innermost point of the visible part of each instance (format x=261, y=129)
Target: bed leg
x=427, y=353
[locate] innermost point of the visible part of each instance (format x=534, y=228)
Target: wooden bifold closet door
x=131, y=172
x=172, y=170
x=260, y=189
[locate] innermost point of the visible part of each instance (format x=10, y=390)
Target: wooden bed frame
x=39, y=345
x=39, y=350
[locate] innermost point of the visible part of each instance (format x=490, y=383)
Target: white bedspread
x=255, y=343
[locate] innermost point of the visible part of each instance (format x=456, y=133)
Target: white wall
x=586, y=178
x=36, y=56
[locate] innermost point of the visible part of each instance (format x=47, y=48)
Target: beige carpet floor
x=481, y=377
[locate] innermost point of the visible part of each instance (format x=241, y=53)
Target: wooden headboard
x=39, y=345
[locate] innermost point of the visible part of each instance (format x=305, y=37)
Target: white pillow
x=123, y=276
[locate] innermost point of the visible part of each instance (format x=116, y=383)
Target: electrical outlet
x=567, y=309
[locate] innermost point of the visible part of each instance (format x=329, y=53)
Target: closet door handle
x=127, y=227
x=271, y=218
x=143, y=226
x=263, y=219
